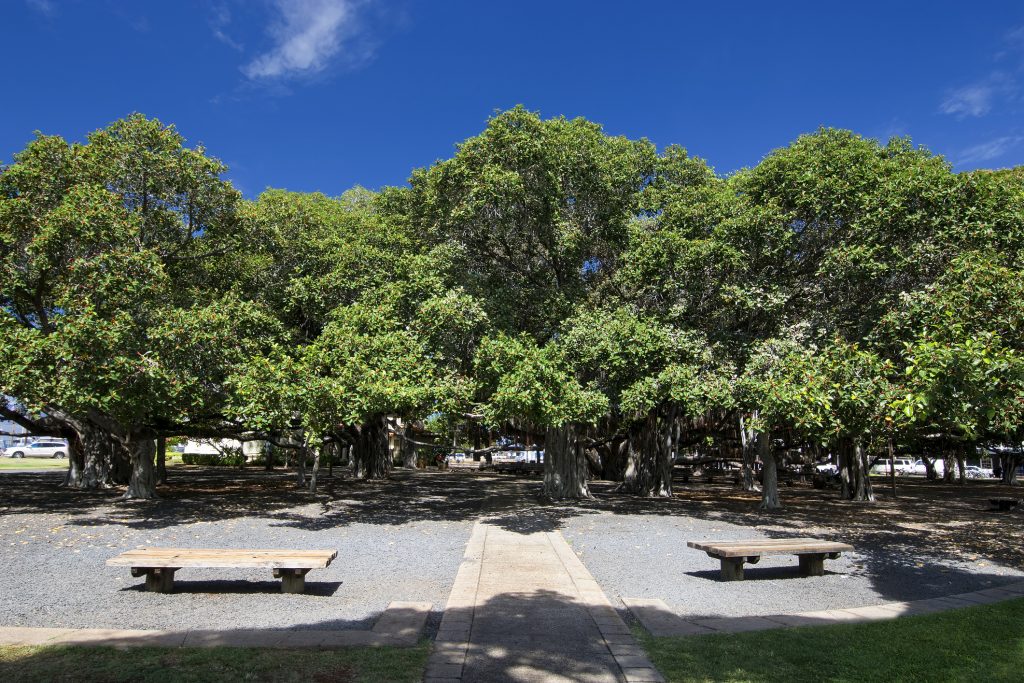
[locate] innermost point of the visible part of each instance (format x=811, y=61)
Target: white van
x=903, y=466
x=939, y=464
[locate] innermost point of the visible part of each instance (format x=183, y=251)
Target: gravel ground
x=53, y=572
x=645, y=556
x=404, y=539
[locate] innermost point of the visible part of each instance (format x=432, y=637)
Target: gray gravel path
x=645, y=556
x=53, y=573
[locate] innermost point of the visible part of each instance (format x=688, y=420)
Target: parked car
x=39, y=449
x=826, y=468
x=975, y=472
x=939, y=465
x=903, y=466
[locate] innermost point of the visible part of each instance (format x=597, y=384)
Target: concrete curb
x=660, y=621
x=399, y=625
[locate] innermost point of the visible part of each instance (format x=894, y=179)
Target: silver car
x=39, y=449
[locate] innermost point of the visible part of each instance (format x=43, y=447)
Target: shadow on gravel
x=323, y=589
x=753, y=572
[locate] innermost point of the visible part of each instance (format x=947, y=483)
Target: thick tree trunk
x=949, y=466
x=300, y=466
x=747, y=472
x=565, y=465
x=929, y=468
x=961, y=465
x=594, y=464
x=142, y=484
x=770, y=470
x=76, y=461
x=98, y=460
x=1009, y=470
x=316, y=469
x=649, y=471
x=892, y=467
x=371, y=457
x=614, y=456
x=161, y=460
x=843, y=457
x=408, y=454
x=863, y=490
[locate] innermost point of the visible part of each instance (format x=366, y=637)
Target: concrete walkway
x=659, y=619
x=524, y=608
x=400, y=625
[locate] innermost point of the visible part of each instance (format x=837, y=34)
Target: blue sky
x=325, y=94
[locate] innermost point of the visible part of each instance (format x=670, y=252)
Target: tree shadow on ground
x=929, y=522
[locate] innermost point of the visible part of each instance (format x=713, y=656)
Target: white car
x=39, y=449
x=975, y=472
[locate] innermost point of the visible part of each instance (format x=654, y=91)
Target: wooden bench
x=733, y=554
x=1003, y=504
x=159, y=564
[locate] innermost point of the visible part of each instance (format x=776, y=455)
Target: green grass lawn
x=33, y=463
x=973, y=644
x=180, y=665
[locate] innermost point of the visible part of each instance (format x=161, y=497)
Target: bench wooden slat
x=757, y=547
x=224, y=558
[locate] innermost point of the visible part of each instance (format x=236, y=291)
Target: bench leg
x=292, y=580
x=160, y=579
x=732, y=568
x=812, y=565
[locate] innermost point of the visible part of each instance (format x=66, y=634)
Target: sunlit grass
x=984, y=643
x=33, y=463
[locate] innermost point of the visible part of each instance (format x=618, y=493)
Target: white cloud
x=307, y=35
x=993, y=149
x=978, y=99
x=972, y=100
x=219, y=20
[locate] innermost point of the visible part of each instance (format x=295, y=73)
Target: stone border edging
x=660, y=621
x=451, y=645
x=399, y=625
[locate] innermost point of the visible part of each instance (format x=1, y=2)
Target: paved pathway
x=524, y=608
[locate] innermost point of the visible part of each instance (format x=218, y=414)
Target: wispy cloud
x=308, y=35
x=978, y=99
x=993, y=149
x=971, y=100
x=42, y=6
x=220, y=18
x=999, y=87
x=1015, y=37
